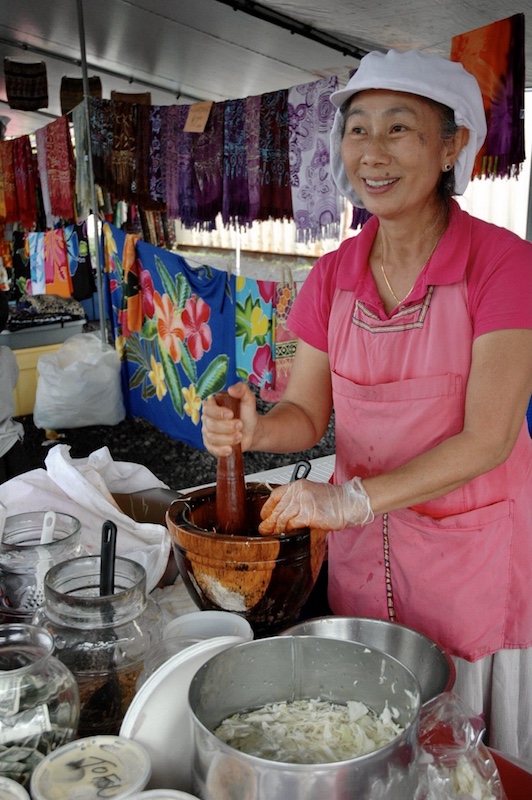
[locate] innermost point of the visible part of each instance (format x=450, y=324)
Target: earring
x=447, y=167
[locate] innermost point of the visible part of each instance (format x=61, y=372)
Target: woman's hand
x=221, y=431
x=310, y=504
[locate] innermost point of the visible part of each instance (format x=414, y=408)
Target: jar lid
x=81, y=769
x=11, y=790
x=163, y=794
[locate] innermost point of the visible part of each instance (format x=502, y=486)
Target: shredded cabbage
x=309, y=731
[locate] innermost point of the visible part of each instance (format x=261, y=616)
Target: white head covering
x=430, y=76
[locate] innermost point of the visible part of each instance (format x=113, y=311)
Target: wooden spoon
x=231, y=512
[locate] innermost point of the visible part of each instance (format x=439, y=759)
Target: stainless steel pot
x=249, y=675
x=432, y=666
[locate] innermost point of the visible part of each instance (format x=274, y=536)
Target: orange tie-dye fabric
x=495, y=55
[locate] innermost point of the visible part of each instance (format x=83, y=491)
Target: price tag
x=198, y=116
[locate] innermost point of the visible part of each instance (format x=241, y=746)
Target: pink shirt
x=497, y=265
x=460, y=565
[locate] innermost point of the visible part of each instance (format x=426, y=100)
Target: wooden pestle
x=231, y=512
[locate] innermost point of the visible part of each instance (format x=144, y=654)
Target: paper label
x=198, y=116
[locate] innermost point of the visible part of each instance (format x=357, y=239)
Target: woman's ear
x=454, y=146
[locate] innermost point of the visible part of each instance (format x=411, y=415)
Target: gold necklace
x=407, y=295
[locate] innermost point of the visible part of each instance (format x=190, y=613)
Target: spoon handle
x=230, y=484
x=107, y=559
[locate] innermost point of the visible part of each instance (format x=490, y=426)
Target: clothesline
x=261, y=157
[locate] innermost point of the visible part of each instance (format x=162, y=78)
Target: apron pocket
x=450, y=576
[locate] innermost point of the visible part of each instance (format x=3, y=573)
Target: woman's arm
x=497, y=396
x=296, y=423
x=498, y=392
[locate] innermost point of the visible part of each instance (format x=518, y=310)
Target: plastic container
x=92, y=768
x=11, y=790
x=207, y=624
x=161, y=653
x=24, y=561
x=103, y=640
x=39, y=702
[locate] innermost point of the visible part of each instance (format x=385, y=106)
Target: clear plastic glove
x=310, y=504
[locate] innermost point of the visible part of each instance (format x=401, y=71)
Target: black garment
x=14, y=462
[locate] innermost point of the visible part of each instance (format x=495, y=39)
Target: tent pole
x=94, y=196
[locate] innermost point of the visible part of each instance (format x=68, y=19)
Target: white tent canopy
x=186, y=51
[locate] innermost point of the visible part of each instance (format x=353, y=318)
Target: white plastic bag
x=84, y=488
x=454, y=763
x=79, y=385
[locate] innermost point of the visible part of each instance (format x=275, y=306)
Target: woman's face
x=393, y=152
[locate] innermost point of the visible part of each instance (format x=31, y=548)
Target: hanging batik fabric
x=275, y=192
x=172, y=161
x=131, y=314
x=57, y=273
x=186, y=349
x=40, y=141
x=82, y=191
x=36, y=251
x=254, y=331
x=60, y=168
x=72, y=90
x=252, y=107
x=123, y=154
x=21, y=265
x=142, y=159
x=314, y=194
x=284, y=340
x=186, y=178
x=156, y=155
x=26, y=180
x=235, y=208
x=208, y=157
x=79, y=261
x=7, y=167
x=360, y=217
x=102, y=124
x=26, y=85
x=495, y=55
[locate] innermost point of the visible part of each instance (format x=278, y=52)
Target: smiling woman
x=408, y=330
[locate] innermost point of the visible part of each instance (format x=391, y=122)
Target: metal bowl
x=432, y=666
x=251, y=674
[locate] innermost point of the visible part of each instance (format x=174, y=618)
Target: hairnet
x=430, y=76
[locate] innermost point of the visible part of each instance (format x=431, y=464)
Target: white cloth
x=430, y=76
x=502, y=684
x=83, y=488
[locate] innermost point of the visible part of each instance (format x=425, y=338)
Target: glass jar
x=102, y=640
x=39, y=701
x=24, y=561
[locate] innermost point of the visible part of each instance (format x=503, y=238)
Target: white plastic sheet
x=84, y=487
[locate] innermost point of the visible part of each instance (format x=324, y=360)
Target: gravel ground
x=175, y=463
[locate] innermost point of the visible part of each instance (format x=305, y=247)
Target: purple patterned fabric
x=314, y=194
x=186, y=177
x=156, y=181
x=275, y=193
x=235, y=208
x=252, y=124
x=173, y=132
x=208, y=158
x=102, y=122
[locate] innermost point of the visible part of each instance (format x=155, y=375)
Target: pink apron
x=458, y=566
